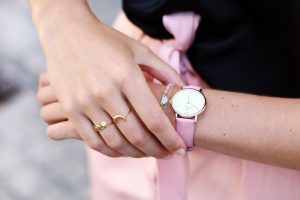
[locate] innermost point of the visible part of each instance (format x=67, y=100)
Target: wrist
x=52, y=16
x=158, y=91
x=43, y=11
x=169, y=111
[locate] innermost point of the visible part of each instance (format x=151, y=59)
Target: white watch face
x=188, y=102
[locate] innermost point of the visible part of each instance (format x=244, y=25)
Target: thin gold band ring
x=103, y=125
x=117, y=118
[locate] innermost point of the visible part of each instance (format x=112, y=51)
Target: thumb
x=159, y=69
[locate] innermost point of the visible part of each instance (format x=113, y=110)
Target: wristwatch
x=188, y=103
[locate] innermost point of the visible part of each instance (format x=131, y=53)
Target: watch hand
x=189, y=99
x=194, y=106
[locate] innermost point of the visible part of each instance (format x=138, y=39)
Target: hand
x=60, y=126
x=95, y=72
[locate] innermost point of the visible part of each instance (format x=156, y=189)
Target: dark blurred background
x=32, y=166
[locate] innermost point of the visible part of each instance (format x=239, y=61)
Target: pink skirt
x=212, y=176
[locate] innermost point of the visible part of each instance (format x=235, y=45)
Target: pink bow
x=183, y=27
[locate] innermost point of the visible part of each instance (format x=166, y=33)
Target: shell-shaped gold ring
x=117, y=118
x=103, y=125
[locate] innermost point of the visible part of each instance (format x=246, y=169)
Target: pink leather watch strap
x=185, y=128
x=172, y=178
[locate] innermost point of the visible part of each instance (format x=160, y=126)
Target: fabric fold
x=172, y=174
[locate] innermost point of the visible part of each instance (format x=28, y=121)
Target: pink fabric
x=183, y=27
x=172, y=178
x=173, y=173
x=211, y=176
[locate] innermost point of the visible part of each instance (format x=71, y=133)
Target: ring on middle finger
x=117, y=118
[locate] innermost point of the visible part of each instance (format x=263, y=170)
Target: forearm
x=263, y=129
x=258, y=128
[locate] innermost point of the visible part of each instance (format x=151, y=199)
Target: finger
x=133, y=129
x=112, y=136
x=44, y=80
x=150, y=111
x=154, y=65
x=148, y=77
x=87, y=132
x=46, y=95
x=62, y=130
x=53, y=113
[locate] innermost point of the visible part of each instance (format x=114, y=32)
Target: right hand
x=94, y=70
x=60, y=127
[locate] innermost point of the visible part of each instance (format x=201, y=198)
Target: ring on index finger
x=103, y=125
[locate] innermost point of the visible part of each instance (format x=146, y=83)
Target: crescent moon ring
x=117, y=118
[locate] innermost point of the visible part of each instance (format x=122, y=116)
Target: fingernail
x=180, y=152
x=167, y=157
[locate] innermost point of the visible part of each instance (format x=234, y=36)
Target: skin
x=258, y=128
x=262, y=129
x=96, y=73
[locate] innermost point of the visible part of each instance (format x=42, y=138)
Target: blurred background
x=31, y=165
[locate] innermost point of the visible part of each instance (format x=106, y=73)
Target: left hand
x=59, y=126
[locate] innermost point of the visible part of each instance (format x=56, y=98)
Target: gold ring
x=103, y=125
x=117, y=118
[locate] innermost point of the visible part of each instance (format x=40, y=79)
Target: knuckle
x=51, y=133
x=95, y=145
x=138, y=141
x=155, y=124
x=69, y=108
x=128, y=77
x=39, y=96
x=146, y=50
x=161, y=154
x=123, y=75
x=138, y=155
x=43, y=114
x=41, y=77
x=112, y=154
x=84, y=101
x=101, y=92
x=102, y=148
x=142, y=50
x=116, y=144
x=174, y=145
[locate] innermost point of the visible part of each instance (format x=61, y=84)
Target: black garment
x=249, y=46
